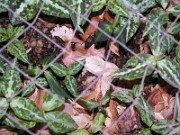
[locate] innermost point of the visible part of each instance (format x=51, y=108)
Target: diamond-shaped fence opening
x=89, y=67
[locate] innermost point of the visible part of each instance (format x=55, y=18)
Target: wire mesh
x=64, y=50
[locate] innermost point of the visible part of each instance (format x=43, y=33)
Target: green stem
x=115, y=22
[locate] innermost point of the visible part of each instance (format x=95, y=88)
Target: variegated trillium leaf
x=125, y=96
x=174, y=29
x=3, y=107
x=77, y=9
x=56, y=8
x=6, y=3
x=89, y=104
x=26, y=9
x=75, y=67
x=61, y=122
x=97, y=123
x=18, y=123
x=79, y=132
x=11, y=82
x=134, y=68
x=52, y=102
x=42, y=81
x=145, y=110
x=177, y=106
x=28, y=89
x=2, y=70
x=161, y=126
x=145, y=131
x=156, y=17
x=175, y=9
x=160, y=43
x=26, y=109
x=70, y=83
x=18, y=50
x=131, y=26
x=163, y=3
x=169, y=72
x=59, y=69
x=98, y=5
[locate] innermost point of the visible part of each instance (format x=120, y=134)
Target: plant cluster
x=160, y=30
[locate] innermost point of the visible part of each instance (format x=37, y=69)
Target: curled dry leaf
x=43, y=132
x=65, y=33
x=81, y=53
x=161, y=102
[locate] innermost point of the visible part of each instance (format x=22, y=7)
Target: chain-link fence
x=18, y=112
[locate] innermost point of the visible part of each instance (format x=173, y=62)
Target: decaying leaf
x=81, y=53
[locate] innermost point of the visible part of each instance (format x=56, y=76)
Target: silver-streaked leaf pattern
x=25, y=8
x=175, y=9
x=18, y=123
x=117, y=7
x=81, y=8
x=71, y=85
x=79, y=132
x=134, y=68
x=97, y=123
x=98, y=5
x=5, y=2
x=18, y=50
x=11, y=82
x=89, y=104
x=28, y=89
x=145, y=110
x=163, y=3
x=42, y=81
x=2, y=70
x=175, y=29
x=169, y=72
x=75, y=67
x=56, y=8
x=26, y=109
x=177, y=106
x=144, y=5
x=106, y=97
x=161, y=126
x=59, y=69
x=52, y=102
x=125, y=96
x=145, y=131
x=4, y=105
x=62, y=123
x=156, y=17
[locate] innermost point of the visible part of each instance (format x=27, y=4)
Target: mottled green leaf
x=118, y=7
x=33, y=70
x=107, y=28
x=178, y=53
x=98, y=5
x=144, y=5
x=79, y=132
x=131, y=26
x=145, y=131
x=2, y=70
x=120, y=33
x=156, y=17
x=61, y=123
x=134, y=68
x=28, y=89
x=160, y=126
x=18, y=50
x=42, y=81
x=174, y=29
x=97, y=123
x=177, y=107
x=75, y=67
x=137, y=90
x=145, y=110
x=52, y=102
x=175, y=10
x=13, y=31
x=59, y=69
x=81, y=8
x=163, y=3
x=11, y=82
x=54, y=85
x=56, y=8
x=5, y=2
x=70, y=83
x=169, y=72
x=18, y=123
x=24, y=8
x=3, y=35
x=26, y=109
x=125, y=96
x=106, y=97
x=159, y=43
x=89, y=104
x=3, y=107
x=47, y=60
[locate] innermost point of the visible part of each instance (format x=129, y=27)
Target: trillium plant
x=157, y=21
